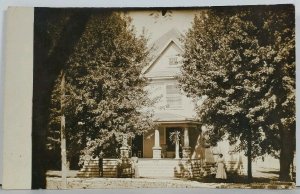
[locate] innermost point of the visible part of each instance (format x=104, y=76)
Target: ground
x=263, y=178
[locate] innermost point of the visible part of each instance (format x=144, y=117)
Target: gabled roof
x=161, y=44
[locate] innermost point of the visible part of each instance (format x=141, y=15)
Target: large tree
x=242, y=62
x=56, y=31
x=105, y=96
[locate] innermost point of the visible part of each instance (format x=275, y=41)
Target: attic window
x=173, y=61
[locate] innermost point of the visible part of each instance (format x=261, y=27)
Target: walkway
x=112, y=183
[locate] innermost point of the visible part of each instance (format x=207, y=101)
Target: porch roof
x=166, y=117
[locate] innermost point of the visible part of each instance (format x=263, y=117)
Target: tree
x=276, y=111
x=56, y=31
x=104, y=86
x=233, y=61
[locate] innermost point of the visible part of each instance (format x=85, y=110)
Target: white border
x=18, y=99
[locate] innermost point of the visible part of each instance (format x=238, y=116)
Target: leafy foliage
x=241, y=63
x=175, y=137
x=104, y=87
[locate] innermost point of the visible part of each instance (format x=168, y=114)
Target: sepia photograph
x=178, y=97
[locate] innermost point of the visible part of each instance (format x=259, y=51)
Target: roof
x=165, y=39
x=170, y=73
x=171, y=117
x=161, y=44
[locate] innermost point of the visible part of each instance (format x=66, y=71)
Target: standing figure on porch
x=221, y=172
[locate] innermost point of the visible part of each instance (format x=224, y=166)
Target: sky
x=156, y=25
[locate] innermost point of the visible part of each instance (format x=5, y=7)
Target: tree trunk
x=249, y=156
x=63, y=136
x=286, y=156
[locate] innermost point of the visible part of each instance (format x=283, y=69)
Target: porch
x=144, y=168
x=161, y=141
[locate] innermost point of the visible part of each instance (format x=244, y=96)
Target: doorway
x=170, y=144
x=137, y=146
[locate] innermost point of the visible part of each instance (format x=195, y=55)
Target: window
x=173, y=96
x=173, y=61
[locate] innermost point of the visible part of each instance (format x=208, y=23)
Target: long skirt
x=221, y=173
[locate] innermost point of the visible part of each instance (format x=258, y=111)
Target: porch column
x=156, y=149
x=186, y=150
x=124, y=149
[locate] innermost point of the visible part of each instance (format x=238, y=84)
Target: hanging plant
x=175, y=137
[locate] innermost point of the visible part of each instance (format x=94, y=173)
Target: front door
x=170, y=144
x=137, y=146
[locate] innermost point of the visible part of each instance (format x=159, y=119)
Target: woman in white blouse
x=221, y=171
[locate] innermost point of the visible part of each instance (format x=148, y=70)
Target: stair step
x=146, y=168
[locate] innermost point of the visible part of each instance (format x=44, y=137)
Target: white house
x=174, y=111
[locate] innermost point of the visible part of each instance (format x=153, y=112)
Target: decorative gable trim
x=168, y=38
x=149, y=67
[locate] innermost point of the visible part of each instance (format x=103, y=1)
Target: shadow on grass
x=235, y=178
x=269, y=172
x=56, y=173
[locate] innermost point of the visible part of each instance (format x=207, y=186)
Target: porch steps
x=91, y=168
x=196, y=168
x=110, y=168
x=163, y=168
x=145, y=168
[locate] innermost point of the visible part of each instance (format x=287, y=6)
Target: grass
x=241, y=181
x=235, y=178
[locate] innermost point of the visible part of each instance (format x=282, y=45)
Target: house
x=174, y=114
x=174, y=111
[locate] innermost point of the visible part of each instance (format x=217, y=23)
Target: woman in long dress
x=221, y=172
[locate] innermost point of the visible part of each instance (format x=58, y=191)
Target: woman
x=221, y=173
